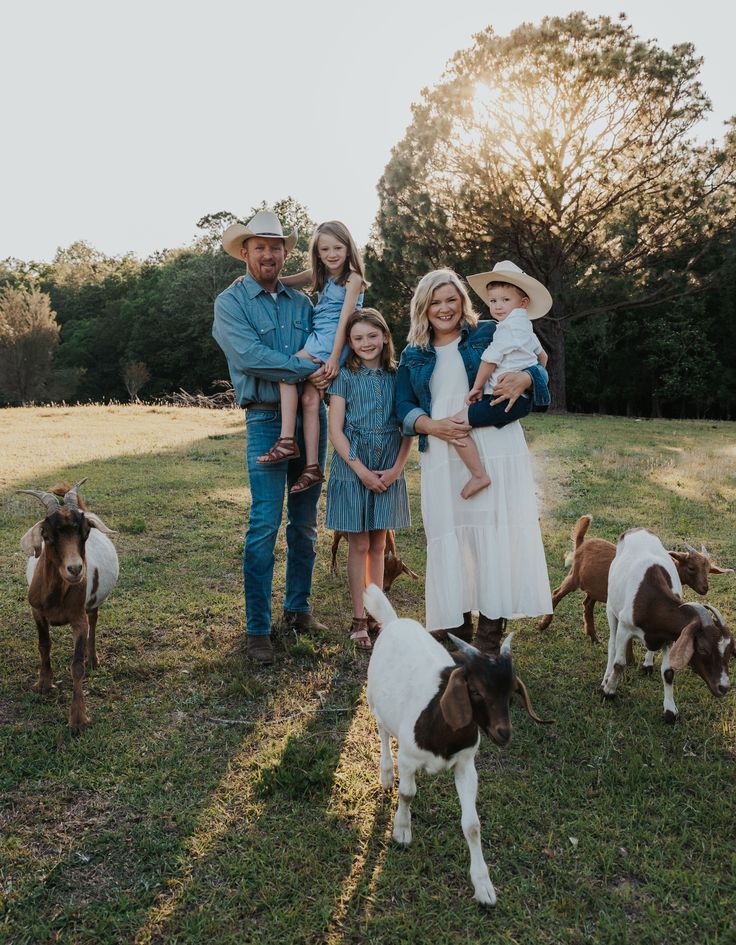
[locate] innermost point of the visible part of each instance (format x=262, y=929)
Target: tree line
x=567, y=147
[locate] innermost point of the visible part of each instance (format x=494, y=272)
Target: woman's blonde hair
x=420, y=331
x=373, y=317
x=353, y=260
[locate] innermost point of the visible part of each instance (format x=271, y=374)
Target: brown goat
x=590, y=564
x=393, y=564
x=72, y=568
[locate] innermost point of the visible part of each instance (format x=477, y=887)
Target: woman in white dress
x=484, y=553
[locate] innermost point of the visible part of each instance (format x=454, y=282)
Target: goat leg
x=466, y=784
x=407, y=791
x=92, y=660
x=589, y=617
x=45, y=677
x=78, y=718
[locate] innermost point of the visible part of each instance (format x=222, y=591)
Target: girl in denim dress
x=366, y=494
x=338, y=277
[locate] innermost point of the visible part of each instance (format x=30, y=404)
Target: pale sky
x=124, y=123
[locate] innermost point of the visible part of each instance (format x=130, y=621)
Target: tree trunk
x=552, y=338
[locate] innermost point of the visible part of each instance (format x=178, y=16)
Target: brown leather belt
x=274, y=406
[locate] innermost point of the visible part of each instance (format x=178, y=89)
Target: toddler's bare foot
x=475, y=484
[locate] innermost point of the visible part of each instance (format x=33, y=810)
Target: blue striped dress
x=373, y=431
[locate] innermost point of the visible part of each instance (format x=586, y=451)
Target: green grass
x=210, y=801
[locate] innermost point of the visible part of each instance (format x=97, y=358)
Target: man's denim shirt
x=413, y=397
x=259, y=335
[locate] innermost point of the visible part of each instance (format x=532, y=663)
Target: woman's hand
x=450, y=430
x=511, y=386
x=476, y=393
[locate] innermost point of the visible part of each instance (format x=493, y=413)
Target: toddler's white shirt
x=514, y=346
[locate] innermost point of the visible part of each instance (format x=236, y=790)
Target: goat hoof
x=647, y=670
x=670, y=717
x=78, y=724
x=387, y=780
x=402, y=836
x=43, y=686
x=92, y=663
x=485, y=894
x=606, y=696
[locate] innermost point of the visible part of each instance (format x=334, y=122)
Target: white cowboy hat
x=264, y=223
x=540, y=301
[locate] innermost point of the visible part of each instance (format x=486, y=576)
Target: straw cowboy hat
x=264, y=223
x=540, y=301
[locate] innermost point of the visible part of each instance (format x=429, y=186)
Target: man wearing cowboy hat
x=259, y=324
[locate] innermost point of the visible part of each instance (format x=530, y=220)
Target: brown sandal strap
x=284, y=448
x=359, y=633
x=309, y=477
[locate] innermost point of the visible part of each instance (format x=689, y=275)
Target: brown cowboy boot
x=488, y=635
x=464, y=631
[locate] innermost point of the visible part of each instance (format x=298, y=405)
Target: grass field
x=213, y=802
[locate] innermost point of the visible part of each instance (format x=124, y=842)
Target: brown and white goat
x=393, y=564
x=72, y=569
x=589, y=564
x=436, y=706
x=645, y=602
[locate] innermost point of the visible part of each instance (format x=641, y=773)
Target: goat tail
x=581, y=527
x=378, y=605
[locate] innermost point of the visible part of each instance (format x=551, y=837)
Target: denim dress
x=325, y=321
x=372, y=429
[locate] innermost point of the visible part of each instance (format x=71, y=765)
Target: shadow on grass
x=161, y=809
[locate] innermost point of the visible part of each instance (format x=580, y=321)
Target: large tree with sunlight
x=28, y=338
x=567, y=147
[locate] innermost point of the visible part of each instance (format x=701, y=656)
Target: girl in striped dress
x=366, y=492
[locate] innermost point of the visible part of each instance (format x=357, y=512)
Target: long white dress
x=484, y=553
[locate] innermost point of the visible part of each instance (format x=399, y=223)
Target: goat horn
x=701, y=609
x=690, y=549
x=717, y=613
x=506, y=646
x=521, y=689
x=704, y=550
x=464, y=647
x=71, y=497
x=48, y=498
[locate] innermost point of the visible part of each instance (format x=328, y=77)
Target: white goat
x=72, y=568
x=435, y=706
x=645, y=602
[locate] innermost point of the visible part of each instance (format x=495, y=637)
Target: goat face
x=64, y=533
x=693, y=569
x=490, y=683
x=713, y=648
x=707, y=645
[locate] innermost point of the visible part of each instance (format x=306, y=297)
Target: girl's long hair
x=420, y=331
x=353, y=260
x=373, y=317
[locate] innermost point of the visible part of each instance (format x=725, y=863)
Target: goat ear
x=522, y=690
x=96, y=522
x=682, y=649
x=714, y=569
x=406, y=570
x=32, y=542
x=679, y=557
x=455, y=702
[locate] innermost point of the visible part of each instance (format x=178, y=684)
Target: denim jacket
x=259, y=336
x=413, y=397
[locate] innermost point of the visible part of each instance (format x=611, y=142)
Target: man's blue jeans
x=268, y=484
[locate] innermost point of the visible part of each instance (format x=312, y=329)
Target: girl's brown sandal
x=284, y=448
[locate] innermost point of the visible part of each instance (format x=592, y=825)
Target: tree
x=567, y=148
x=135, y=375
x=28, y=338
